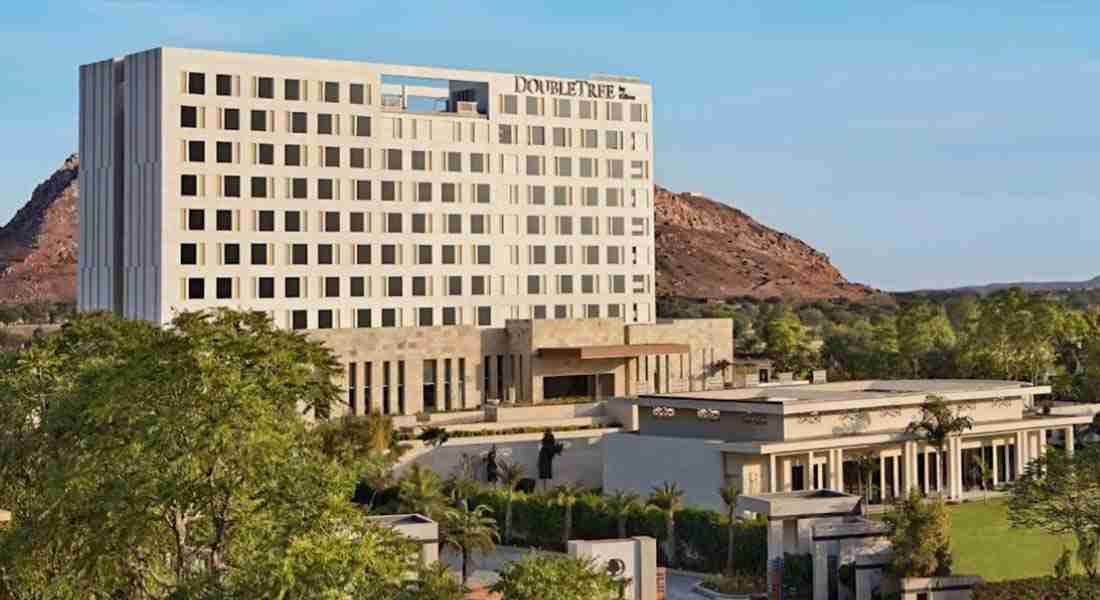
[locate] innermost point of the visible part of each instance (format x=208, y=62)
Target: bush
x=1040, y=588
x=701, y=534
x=738, y=583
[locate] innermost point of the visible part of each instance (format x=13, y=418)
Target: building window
x=484, y=316
x=292, y=287
x=389, y=191
x=265, y=220
x=298, y=319
x=509, y=104
x=298, y=122
x=265, y=87
x=325, y=254
x=429, y=385
x=389, y=317
x=224, y=220
x=231, y=254
x=265, y=154
x=223, y=288
x=259, y=254
x=223, y=152
x=196, y=219
x=189, y=116
x=324, y=124
x=332, y=287
x=292, y=221
x=362, y=318
x=196, y=151
x=231, y=186
x=357, y=158
x=189, y=185
x=292, y=89
x=231, y=119
x=358, y=287
x=356, y=93
x=196, y=83
x=265, y=287
x=394, y=287
x=356, y=222
x=332, y=91
x=189, y=254
x=324, y=319
x=259, y=187
x=196, y=288
x=332, y=221
x=223, y=85
x=258, y=120
x=298, y=188
x=325, y=189
x=450, y=315
x=424, y=316
x=533, y=105
x=362, y=126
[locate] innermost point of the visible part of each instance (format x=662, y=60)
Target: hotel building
x=455, y=235
x=845, y=437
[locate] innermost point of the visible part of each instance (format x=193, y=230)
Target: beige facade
x=337, y=194
x=408, y=370
x=789, y=438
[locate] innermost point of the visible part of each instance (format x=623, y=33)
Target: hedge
x=1040, y=588
x=701, y=535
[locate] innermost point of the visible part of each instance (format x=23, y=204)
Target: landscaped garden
x=984, y=543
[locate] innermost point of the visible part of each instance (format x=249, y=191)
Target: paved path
x=484, y=571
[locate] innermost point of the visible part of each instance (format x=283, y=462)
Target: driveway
x=484, y=571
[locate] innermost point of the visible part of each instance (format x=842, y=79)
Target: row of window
x=419, y=286
x=332, y=221
x=297, y=122
x=333, y=92
x=393, y=159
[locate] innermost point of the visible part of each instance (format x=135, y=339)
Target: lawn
x=985, y=544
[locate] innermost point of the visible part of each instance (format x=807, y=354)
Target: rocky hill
x=706, y=249
x=38, y=246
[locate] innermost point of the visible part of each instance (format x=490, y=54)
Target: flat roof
x=868, y=390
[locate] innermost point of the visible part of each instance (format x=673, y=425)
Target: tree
x=510, y=475
x=730, y=493
x=146, y=463
x=554, y=577
x=669, y=498
x=619, y=504
x=922, y=328
x=1012, y=337
x=350, y=438
x=787, y=342
x=937, y=424
x=866, y=466
x=566, y=495
x=421, y=491
x=1060, y=493
x=432, y=582
x=921, y=535
x=434, y=436
x=985, y=474
x=469, y=531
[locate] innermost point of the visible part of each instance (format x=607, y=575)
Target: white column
x=996, y=464
x=895, y=486
x=1069, y=440
x=810, y=470
x=773, y=476
x=910, y=462
x=1021, y=454
x=1042, y=442
x=958, y=468
x=881, y=477
x=787, y=474
x=839, y=470
x=927, y=469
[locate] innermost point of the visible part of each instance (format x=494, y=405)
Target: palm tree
x=668, y=497
x=985, y=472
x=565, y=495
x=421, y=491
x=937, y=424
x=620, y=504
x=730, y=493
x=469, y=531
x=510, y=474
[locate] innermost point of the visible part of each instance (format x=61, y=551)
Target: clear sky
x=924, y=145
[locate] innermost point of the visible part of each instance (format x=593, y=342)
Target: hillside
x=706, y=249
x=38, y=246
x=1033, y=286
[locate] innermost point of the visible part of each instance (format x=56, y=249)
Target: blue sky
x=919, y=145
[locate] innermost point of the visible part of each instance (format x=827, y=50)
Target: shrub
x=1040, y=588
x=738, y=583
x=701, y=534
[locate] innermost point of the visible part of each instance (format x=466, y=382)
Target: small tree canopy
x=555, y=577
x=921, y=534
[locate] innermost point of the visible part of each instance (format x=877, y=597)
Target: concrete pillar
x=775, y=553
x=881, y=477
x=787, y=474
x=895, y=485
x=773, y=475
x=821, y=572
x=490, y=367
x=1070, y=441
x=1042, y=442
x=1021, y=454
x=810, y=470
x=958, y=468
x=839, y=470
x=805, y=535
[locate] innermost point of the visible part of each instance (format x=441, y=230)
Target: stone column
x=895, y=485
x=775, y=553
x=927, y=470
x=821, y=572
x=787, y=474
x=881, y=477
x=1021, y=454
x=1069, y=440
x=958, y=468
x=839, y=470
x=1042, y=442
x=811, y=469
x=773, y=475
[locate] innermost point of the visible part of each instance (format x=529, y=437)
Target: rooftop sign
x=573, y=87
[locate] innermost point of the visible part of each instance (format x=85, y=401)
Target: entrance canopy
x=615, y=351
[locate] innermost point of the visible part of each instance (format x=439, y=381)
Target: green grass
x=984, y=543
